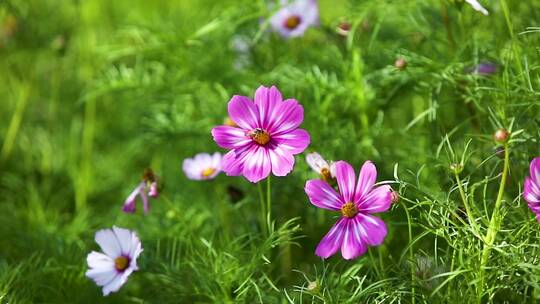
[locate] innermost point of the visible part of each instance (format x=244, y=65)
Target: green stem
x=411, y=255
x=495, y=222
x=16, y=121
x=470, y=216
x=268, y=206
x=515, y=50
x=263, y=209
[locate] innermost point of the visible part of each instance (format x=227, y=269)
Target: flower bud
x=400, y=64
x=501, y=135
x=343, y=28
x=456, y=168
x=313, y=287
x=395, y=196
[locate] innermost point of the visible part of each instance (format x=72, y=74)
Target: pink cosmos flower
x=295, y=17
x=531, y=191
x=267, y=137
x=202, y=166
x=357, y=228
x=111, y=269
x=147, y=187
x=321, y=166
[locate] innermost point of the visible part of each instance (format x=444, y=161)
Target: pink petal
x=377, y=200
x=346, y=179
x=282, y=161
x=230, y=137
x=144, y=198
x=106, y=239
x=267, y=100
x=233, y=162
x=244, y=112
x=102, y=276
x=353, y=245
x=323, y=195
x=131, y=201
x=287, y=116
x=531, y=192
x=331, y=242
x=257, y=164
x=153, y=192
x=295, y=141
x=535, y=171
x=371, y=229
x=366, y=180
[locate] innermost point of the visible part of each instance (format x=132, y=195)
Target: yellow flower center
x=260, y=136
x=207, y=172
x=121, y=263
x=292, y=22
x=326, y=175
x=349, y=210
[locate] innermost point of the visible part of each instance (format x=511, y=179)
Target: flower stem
x=268, y=206
x=468, y=210
x=495, y=222
x=263, y=210
x=411, y=255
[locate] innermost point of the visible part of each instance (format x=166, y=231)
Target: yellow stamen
x=326, y=175
x=121, y=263
x=208, y=172
x=349, y=210
x=292, y=22
x=260, y=136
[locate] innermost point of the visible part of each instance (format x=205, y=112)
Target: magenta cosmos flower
x=267, y=136
x=202, y=166
x=148, y=187
x=357, y=228
x=111, y=269
x=531, y=191
x=295, y=17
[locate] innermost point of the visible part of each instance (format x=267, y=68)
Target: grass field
x=94, y=92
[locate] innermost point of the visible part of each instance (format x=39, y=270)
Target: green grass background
x=92, y=92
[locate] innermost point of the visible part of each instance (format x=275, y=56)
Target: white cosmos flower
x=202, y=166
x=295, y=17
x=477, y=6
x=321, y=166
x=111, y=269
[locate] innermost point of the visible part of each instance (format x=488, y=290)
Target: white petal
x=99, y=260
x=114, y=285
x=124, y=238
x=101, y=277
x=316, y=162
x=108, y=242
x=477, y=6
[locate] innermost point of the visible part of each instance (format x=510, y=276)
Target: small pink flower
x=147, y=187
x=357, y=228
x=267, y=137
x=111, y=269
x=321, y=166
x=531, y=191
x=295, y=17
x=202, y=166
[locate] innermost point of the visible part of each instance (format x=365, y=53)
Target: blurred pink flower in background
x=202, y=166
